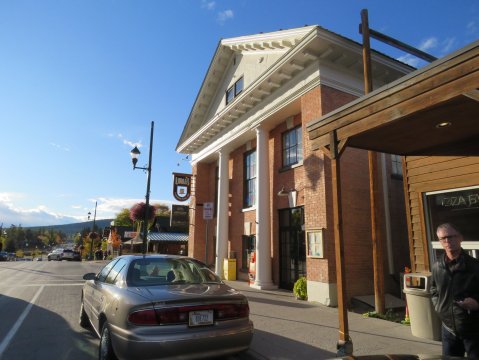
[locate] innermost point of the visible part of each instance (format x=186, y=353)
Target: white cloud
x=409, y=59
x=114, y=206
x=471, y=27
x=60, y=147
x=41, y=215
x=225, y=15
x=209, y=5
x=128, y=142
x=448, y=45
x=10, y=214
x=428, y=44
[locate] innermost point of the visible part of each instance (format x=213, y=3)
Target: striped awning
x=166, y=236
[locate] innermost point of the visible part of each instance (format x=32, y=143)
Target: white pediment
x=274, y=63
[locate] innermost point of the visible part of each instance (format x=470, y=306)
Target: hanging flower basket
x=137, y=212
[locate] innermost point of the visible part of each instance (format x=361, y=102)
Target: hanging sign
x=181, y=186
x=208, y=211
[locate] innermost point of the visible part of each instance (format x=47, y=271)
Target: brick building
x=252, y=158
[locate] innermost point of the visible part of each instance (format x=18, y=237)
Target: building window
x=234, y=91
x=292, y=147
x=458, y=206
x=249, y=179
x=396, y=163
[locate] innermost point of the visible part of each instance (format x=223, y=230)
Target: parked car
x=4, y=256
x=164, y=306
x=55, y=255
x=67, y=254
x=76, y=256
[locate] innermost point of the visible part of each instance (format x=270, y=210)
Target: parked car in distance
x=55, y=255
x=67, y=254
x=164, y=306
x=4, y=256
x=76, y=256
x=61, y=254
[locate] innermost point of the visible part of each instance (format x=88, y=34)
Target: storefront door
x=292, y=246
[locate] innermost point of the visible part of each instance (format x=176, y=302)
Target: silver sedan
x=164, y=307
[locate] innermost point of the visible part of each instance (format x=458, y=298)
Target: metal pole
x=93, y=230
x=147, y=197
x=206, y=244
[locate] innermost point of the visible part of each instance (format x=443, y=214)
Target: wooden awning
x=432, y=111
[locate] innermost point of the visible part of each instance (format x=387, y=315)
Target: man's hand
x=469, y=304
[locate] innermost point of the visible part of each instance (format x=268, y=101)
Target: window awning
x=166, y=236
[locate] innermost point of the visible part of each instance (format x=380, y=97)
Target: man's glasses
x=447, y=238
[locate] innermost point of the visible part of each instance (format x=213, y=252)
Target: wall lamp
x=283, y=192
x=291, y=194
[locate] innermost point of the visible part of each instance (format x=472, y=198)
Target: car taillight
x=143, y=317
x=231, y=311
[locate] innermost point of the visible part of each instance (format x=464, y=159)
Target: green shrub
x=300, y=289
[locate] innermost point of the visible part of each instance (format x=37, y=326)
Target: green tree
x=162, y=210
x=123, y=218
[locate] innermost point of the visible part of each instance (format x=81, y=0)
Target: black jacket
x=448, y=287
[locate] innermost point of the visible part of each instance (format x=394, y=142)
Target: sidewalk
x=286, y=328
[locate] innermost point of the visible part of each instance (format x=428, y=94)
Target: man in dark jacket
x=455, y=295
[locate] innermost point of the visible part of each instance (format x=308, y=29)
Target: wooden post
x=373, y=181
x=345, y=344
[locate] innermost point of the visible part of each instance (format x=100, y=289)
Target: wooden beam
x=376, y=237
x=474, y=95
x=344, y=345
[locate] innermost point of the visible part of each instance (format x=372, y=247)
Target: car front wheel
x=106, y=349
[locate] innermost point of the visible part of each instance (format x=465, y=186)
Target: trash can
x=425, y=323
x=229, y=267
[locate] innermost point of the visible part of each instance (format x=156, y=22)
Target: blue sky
x=81, y=81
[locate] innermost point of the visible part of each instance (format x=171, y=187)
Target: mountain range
x=72, y=229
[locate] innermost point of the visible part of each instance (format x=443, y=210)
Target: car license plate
x=201, y=317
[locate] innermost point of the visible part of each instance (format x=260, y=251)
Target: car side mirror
x=89, y=276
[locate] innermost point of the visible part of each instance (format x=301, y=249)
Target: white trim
x=451, y=190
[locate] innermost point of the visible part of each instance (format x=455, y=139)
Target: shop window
x=249, y=199
x=458, y=206
x=292, y=147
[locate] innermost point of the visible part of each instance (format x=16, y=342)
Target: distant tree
x=162, y=210
x=10, y=245
x=123, y=218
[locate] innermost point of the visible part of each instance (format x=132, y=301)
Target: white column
x=222, y=213
x=263, y=278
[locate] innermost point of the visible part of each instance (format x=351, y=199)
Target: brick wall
x=312, y=180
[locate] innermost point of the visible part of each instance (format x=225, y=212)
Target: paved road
x=39, y=306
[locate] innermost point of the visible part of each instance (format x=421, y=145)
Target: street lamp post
x=92, y=230
x=134, y=158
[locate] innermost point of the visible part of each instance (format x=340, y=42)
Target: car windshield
x=167, y=271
